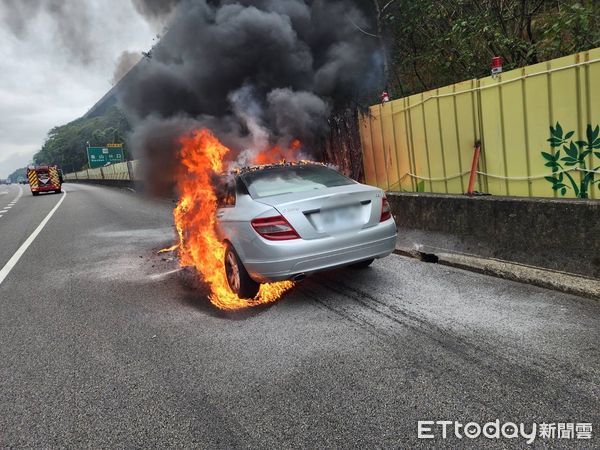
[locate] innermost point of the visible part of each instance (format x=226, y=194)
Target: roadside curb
x=546, y=278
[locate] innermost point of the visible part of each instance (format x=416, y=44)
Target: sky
x=57, y=58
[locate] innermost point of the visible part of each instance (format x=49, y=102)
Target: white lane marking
x=12, y=262
x=16, y=199
x=13, y=203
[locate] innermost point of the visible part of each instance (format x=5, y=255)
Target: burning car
x=287, y=221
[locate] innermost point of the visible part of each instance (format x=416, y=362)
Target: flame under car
x=287, y=221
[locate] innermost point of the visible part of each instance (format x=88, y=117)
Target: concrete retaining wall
x=561, y=235
x=125, y=171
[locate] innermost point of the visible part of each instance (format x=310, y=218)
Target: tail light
x=386, y=210
x=275, y=228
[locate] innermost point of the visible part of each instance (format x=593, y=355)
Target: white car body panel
x=338, y=226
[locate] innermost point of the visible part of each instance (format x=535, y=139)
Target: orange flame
x=202, y=156
x=277, y=154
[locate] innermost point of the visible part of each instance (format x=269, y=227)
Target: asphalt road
x=103, y=343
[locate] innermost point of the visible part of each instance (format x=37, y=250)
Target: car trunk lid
x=329, y=212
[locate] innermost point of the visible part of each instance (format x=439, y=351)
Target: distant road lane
x=23, y=217
x=104, y=343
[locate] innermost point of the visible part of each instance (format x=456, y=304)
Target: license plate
x=341, y=218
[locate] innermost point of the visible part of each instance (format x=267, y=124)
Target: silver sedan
x=288, y=221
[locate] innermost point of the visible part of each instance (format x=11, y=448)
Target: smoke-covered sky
x=57, y=58
x=255, y=71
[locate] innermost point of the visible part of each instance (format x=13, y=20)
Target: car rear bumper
x=305, y=257
x=48, y=188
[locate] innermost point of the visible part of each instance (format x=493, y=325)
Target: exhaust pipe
x=298, y=277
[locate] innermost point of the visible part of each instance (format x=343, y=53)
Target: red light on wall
x=496, y=65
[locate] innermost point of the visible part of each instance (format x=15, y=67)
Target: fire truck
x=44, y=179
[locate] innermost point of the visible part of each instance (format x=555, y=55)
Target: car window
x=287, y=180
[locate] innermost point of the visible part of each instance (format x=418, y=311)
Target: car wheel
x=363, y=264
x=35, y=193
x=238, y=279
x=58, y=191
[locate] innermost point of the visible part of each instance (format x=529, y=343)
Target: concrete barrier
x=125, y=173
x=561, y=235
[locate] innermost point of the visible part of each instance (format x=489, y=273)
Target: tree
x=381, y=18
x=19, y=173
x=433, y=43
x=66, y=144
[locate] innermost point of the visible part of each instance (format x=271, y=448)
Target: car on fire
x=287, y=221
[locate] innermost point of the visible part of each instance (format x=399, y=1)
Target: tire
x=35, y=193
x=237, y=276
x=362, y=264
x=58, y=191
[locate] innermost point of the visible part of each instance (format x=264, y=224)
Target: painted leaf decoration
x=559, y=130
x=571, y=150
x=554, y=142
x=548, y=156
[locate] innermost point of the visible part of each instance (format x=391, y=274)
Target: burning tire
x=237, y=276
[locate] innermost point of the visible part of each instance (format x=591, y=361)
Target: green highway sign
x=101, y=156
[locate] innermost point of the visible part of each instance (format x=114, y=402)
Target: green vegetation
x=66, y=144
x=576, y=155
x=433, y=43
x=18, y=173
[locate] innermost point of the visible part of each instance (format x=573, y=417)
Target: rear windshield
x=288, y=180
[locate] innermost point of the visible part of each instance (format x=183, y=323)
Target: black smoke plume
x=124, y=64
x=156, y=11
x=255, y=72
